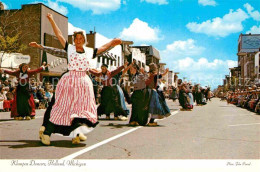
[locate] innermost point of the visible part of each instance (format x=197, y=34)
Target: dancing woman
x=140, y=98
x=23, y=105
x=184, y=98
x=74, y=110
x=110, y=96
x=118, y=82
x=157, y=106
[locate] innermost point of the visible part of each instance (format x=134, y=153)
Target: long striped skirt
x=74, y=101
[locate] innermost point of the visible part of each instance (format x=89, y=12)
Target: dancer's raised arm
x=56, y=30
x=108, y=46
x=53, y=51
x=166, y=71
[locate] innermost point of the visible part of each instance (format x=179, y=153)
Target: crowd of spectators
x=42, y=93
x=248, y=98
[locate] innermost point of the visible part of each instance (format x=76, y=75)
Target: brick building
x=33, y=24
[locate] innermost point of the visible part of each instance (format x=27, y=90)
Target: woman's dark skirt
x=157, y=106
x=23, y=104
x=110, y=102
x=140, y=104
x=184, y=100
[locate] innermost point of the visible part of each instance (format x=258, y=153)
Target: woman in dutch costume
x=140, y=98
x=118, y=82
x=110, y=96
x=184, y=98
x=158, y=108
x=23, y=104
x=74, y=112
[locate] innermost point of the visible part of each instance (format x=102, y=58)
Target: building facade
x=248, y=48
x=32, y=23
x=151, y=53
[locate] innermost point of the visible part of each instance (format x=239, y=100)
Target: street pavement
x=214, y=131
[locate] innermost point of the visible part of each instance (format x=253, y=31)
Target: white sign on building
x=13, y=60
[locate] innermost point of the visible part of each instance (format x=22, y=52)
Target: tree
x=9, y=45
x=9, y=37
x=16, y=26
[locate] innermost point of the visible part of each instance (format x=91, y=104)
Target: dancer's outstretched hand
x=44, y=64
x=35, y=45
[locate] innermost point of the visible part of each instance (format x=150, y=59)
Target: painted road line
x=243, y=124
x=76, y=154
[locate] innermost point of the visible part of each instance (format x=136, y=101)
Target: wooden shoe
x=76, y=140
x=33, y=117
x=28, y=118
x=42, y=129
x=82, y=137
x=124, y=118
x=116, y=118
x=45, y=139
x=152, y=124
x=20, y=118
x=132, y=123
x=16, y=118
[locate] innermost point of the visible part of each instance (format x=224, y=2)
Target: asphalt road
x=213, y=131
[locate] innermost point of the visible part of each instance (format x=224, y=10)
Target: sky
x=197, y=38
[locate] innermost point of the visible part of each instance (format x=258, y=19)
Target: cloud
x=140, y=31
x=5, y=6
x=96, y=6
x=254, y=30
x=72, y=29
x=202, y=64
x=179, y=49
x=221, y=27
x=160, y=2
x=185, y=56
x=207, y=2
x=254, y=14
x=55, y=6
x=203, y=71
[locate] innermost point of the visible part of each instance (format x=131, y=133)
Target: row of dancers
x=72, y=111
